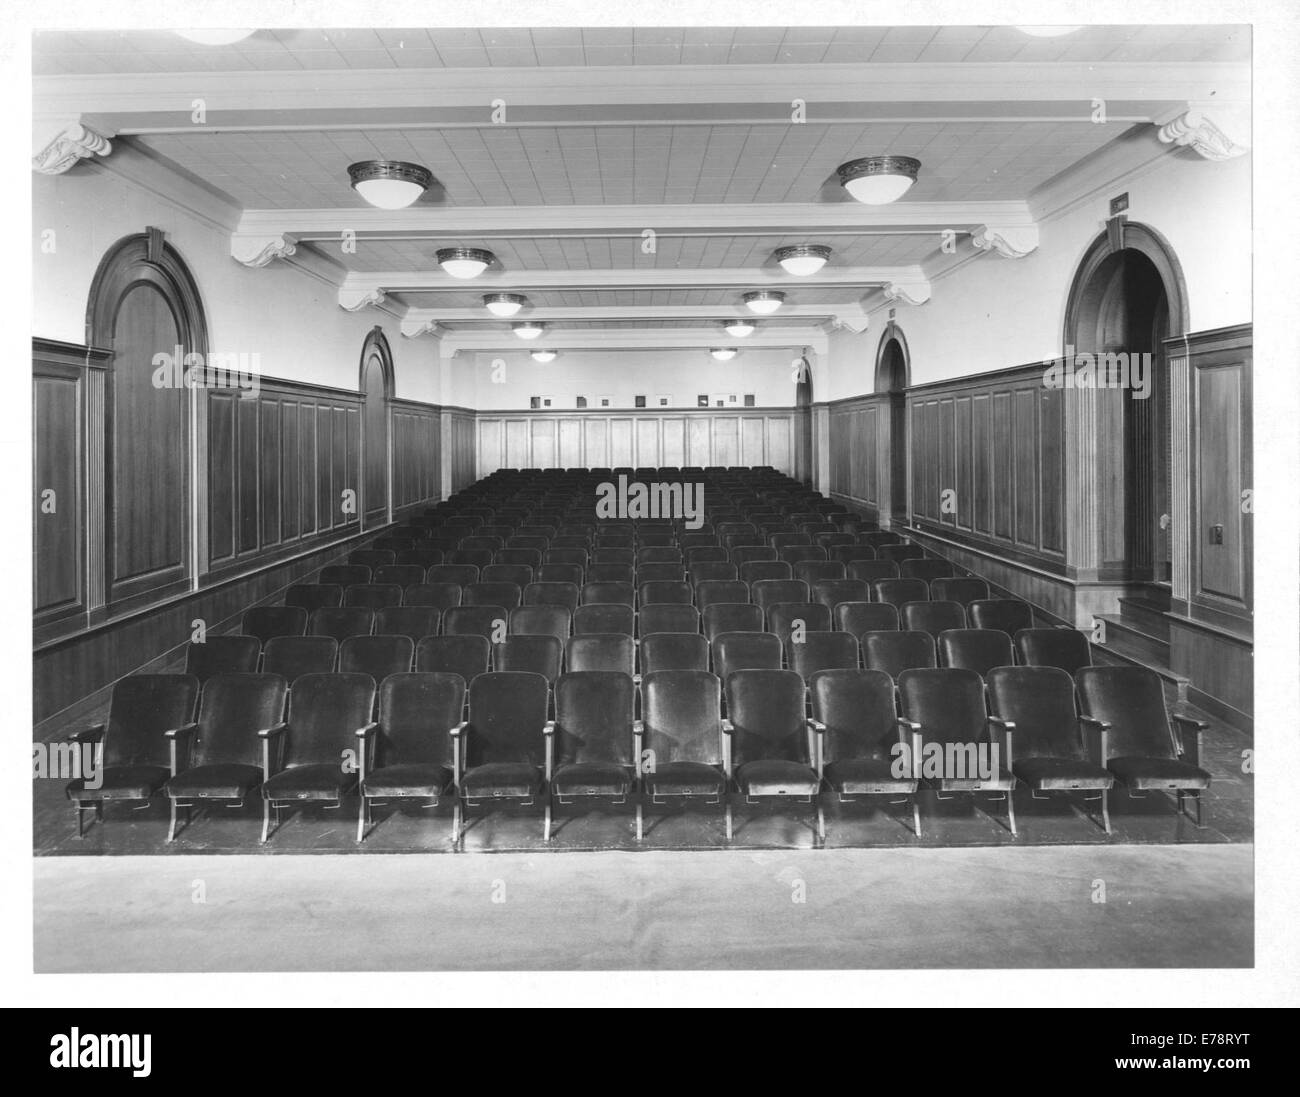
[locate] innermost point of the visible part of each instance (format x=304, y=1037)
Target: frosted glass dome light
x=878, y=180
x=464, y=262
x=723, y=354
x=528, y=329
x=504, y=305
x=764, y=301
x=389, y=184
x=802, y=260
x=544, y=355
x=739, y=328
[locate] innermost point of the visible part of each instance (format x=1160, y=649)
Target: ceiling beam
x=453, y=343
x=616, y=314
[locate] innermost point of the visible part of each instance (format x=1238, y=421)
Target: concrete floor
x=1165, y=906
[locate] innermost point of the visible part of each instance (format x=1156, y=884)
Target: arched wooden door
x=377, y=390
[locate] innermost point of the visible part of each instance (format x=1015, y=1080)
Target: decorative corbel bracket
x=1009, y=241
x=1213, y=139
x=911, y=293
x=60, y=144
x=355, y=299
x=414, y=327
x=260, y=250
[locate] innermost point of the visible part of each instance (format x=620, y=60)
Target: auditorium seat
x=706, y=554
x=529, y=558
x=976, y=649
x=798, y=554
x=377, y=656
x=605, y=594
x=302, y=755
x=752, y=554
x=681, y=740
x=342, y=622
x=849, y=553
x=372, y=558
x=224, y=757
x=519, y=575
x=760, y=570
x=854, y=714
x=266, y=622
x=293, y=656
x=611, y=573
x=856, y=618
x=571, y=574
x=673, y=651
x=554, y=621
x=656, y=538
x=541, y=654
x=931, y=617
x=574, y=556
x=423, y=558
x=831, y=592
x=947, y=706
x=896, y=651
x=667, y=617
x=499, y=752
x=817, y=571
x=766, y=593
x=1065, y=648
x=734, y=651
x=669, y=555
x=344, y=575
x=1008, y=614
x=711, y=572
x=467, y=655
x=403, y=575
x=625, y=557
x=928, y=569
x=660, y=573
x=1125, y=714
x=222, y=655
x=508, y=595
x=372, y=596
x=440, y=596
x=150, y=718
x=459, y=574
x=658, y=592
x=723, y=617
x=475, y=558
x=314, y=596
x=784, y=617
x=605, y=617
x=899, y=592
x=871, y=571
x=590, y=747
x=1035, y=709
x=964, y=589
x=600, y=652
x=478, y=543
x=772, y=753
x=711, y=592
x=485, y=620
x=822, y=651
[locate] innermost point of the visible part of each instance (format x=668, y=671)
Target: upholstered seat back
x=948, y=704
x=895, y=651
x=766, y=709
x=734, y=651
x=857, y=707
x=507, y=712
x=977, y=649
x=143, y=706
x=416, y=713
x=679, y=709
x=1040, y=701
x=377, y=656
x=865, y=616
x=593, y=717
x=325, y=711
x=822, y=651
x=554, y=621
x=293, y=656
x=235, y=708
x=1132, y=701
x=770, y=592
x=601, y=652
x=1065, y=648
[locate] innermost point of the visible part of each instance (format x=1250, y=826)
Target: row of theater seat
x=416, y=737
x=778, y=581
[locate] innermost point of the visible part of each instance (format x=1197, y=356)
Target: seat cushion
x=774, y=777
x=1158, y=773
x=1061, y=773
x=413, y=780
x=859, y=776
x=321, y=781
x=502, y=780
x=592, y=779
x=219, y=782
x=999, y=782
x=685, y=779
x=121, y=783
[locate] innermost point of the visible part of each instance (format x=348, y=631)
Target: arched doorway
x=144, y=306
x=803, y=399
x=376, y=387
x=1124, y=303
x=893, y=375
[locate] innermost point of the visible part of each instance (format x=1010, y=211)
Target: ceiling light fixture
x=1049, y=32
x=215, y=36
x=528, y=329
x=877, y=180
x=723, y=354
x=389, y=184
x=739, y=328
x=802, y=260
x=764, y=301
x=543, y=355
x=464, y=262
x=504, y=304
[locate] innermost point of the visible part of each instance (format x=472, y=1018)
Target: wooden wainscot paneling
x=279, y=459
x=988, y=463
x=599, y=438
x=416, y=455
x=68, y=491
x=859, y=452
